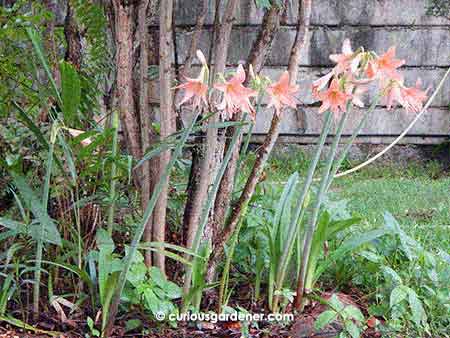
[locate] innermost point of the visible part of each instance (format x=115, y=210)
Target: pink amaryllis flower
x=333, y=98
x=386, y=65
x=196, y=88
x=413, y=97
x=393, y=95
x=409, y=98
x=356, y=92
x=281, y=93
x=321, y=83
x=347, y=59
x=236, y=97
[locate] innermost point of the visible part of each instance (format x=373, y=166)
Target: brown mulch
x=302, y=327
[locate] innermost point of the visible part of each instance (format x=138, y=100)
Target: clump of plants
x=79, y=249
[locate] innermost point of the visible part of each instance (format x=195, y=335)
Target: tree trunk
x=49, y=40
x=73, y=39
x=204, y=172
x=124, y=49
x=256, y=58
x=167, y=119
x=144, y=117
x=269, y=142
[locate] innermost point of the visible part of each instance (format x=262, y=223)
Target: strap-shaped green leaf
x=44, y=229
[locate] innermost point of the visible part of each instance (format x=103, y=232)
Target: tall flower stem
x=309, y=233
x=352, y=139
x=300, y=207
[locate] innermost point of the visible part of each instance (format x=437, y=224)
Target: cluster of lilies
x=345, y=83
x=236, y=97
x=354, y=71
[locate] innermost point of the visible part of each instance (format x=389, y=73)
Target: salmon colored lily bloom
x=321, y=83
x=281, y=93
x=393, y=95
x=196, y=88
x=410, y=98
x=333, y=98
x=386, y=65
x=236, y=97
x=414, y=97
x=346, y=59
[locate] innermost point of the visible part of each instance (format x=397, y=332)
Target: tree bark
x=124, y=49
x=73, y=39
x=203, y=11
x=49, y=40
x=144, y=117
x=256, y=58
x=209, y=163
x=167, y=119
x=269, y=142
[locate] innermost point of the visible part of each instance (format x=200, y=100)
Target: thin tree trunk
x=144, y=118
x=209, y=163
x=49, y=39
x=124, y=49
x=257, y=56
x=73, y=39
x=269, y=142
x=203, y=11
x=167, y=120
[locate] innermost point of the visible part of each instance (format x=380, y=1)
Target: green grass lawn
x=417, y=194
x=420, y=204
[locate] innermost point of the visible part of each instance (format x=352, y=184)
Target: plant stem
x=112, y=184
x=40, y=241
x=207, y=207
x=357, y=130
x=140, y=229
x=295, y=224
x=226, y=269
x=315, y=215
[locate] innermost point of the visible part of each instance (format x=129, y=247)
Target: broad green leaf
x=11, y=224
x=348, y=246
x=70, y=91
x=105, y=245
x=324, y=319
x=157, y=276
x=352, y=329
x=44, y=229
x=352, y=312
x=390, y=273
x=336, y=303
x=172, y=290
x=398, y=295
x=132, y=324
x=137, y=274
x=418, y=313
x=152, y=302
